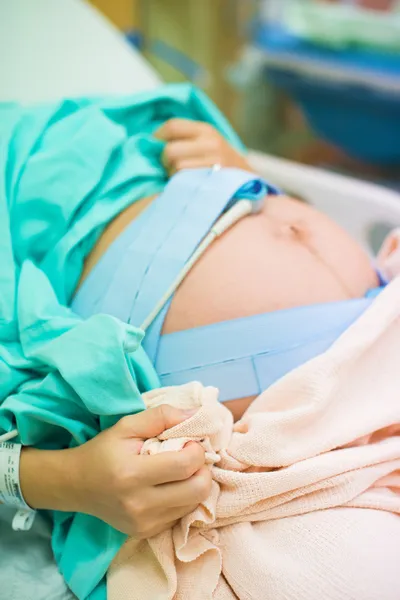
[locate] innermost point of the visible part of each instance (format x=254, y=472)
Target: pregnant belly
x=288, y=255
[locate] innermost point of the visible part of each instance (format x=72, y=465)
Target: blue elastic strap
x=243, y=357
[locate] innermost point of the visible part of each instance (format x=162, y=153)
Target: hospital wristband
x=10, y=489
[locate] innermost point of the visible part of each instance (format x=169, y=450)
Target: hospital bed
x=52, y=49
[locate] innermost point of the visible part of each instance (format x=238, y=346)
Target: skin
x=318, y=262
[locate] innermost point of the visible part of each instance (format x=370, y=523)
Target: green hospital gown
x=65, y=171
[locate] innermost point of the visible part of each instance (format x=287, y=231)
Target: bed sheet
x=27, y=567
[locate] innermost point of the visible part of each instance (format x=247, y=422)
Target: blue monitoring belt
x=241, y=357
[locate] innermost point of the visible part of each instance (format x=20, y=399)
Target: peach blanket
x=305, y=503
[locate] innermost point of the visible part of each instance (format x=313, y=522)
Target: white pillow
x=52, y=49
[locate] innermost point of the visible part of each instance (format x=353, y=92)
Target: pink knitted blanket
x=305, y=503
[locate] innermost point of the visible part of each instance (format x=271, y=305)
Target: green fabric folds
x=65, y=171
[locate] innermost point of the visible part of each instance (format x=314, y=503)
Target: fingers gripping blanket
x=305, y=502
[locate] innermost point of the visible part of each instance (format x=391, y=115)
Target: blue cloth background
x=65, y=171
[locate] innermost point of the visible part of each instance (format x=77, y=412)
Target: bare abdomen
x=289, y=255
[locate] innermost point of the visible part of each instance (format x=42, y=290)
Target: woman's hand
x=194, y=144
x=109, y=479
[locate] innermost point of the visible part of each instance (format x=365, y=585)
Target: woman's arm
x=50, y=478
x=109, y=479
